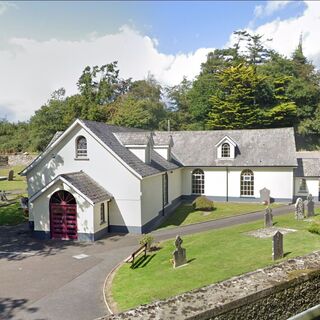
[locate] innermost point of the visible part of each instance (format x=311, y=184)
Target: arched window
x=247, y=183
x=198, y=181
x=225, y=150
x=81, y=147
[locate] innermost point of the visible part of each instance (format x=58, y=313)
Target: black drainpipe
x=227, y=183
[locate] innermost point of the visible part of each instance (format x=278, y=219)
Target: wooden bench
x=142, y=249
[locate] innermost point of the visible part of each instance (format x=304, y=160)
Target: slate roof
x=133, y=138
x=308, y=164
x=87, y=186
x=255, y=147
x=107, y=133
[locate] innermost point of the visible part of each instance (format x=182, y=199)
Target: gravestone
x=299, y=209
x=265, y=196
x=268, y=223
x=179, y=255
x=277, y=246
x=3, y=196
x=10, y=175
x=310, y=205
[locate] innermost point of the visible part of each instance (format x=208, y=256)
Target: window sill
x=82, y=159
x=102, y=222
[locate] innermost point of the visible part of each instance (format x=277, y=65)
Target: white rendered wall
x=151, y=193
x=40, y=209
x=312, y=187
x=97, y=215
x=162, y=151
x=102, y=167
x=278, y=180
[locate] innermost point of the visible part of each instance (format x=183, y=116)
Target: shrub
x=203, y=203
x=147, y=239
x=314, y=227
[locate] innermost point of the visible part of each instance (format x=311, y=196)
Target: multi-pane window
x=197, y=181
x=247, y=183
x=81, y=147
x=102, y=213
x=303, y=185
x=225, y=150
x=165, y=189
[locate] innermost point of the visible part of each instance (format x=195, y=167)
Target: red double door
x=63, y=220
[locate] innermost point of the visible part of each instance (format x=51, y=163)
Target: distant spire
x=300, y=43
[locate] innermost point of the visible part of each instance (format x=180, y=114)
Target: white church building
x=96, y=178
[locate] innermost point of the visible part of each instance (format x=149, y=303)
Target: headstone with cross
x=268, y=223
x=179, y=254
x=310, y=205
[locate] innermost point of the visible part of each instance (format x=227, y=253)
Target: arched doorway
x=63, y=216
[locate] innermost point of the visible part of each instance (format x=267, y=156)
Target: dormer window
x=81, y=147
x=225, y=150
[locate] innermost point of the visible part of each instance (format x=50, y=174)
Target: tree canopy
x=244, y=86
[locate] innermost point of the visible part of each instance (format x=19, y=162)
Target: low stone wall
x=275, y=292
x=20, y=159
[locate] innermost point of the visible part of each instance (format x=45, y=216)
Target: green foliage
x=203, y=203
x=146, y=239
x=314, y=227
x=11, y=215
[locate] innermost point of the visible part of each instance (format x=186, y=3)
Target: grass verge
x=18, y=183
x=213, y=256
x=186, y=214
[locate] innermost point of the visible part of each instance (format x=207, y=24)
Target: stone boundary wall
x=20, y=159
x=275, y=292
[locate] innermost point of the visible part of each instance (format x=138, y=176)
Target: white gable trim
x=111, y=151
x=46, y=151
x=53, y=182
x=72, y=126
x=228, y=139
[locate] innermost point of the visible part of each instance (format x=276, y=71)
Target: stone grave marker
x=299, y=209
x=268, y=223
x=265, y=196
x=277, y=246
x=310, y=205
x=10, y=175
x=179, y=254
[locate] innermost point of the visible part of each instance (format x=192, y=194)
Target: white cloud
x=5, y=5
x=31, y=70
x=285, y=33
x=269, y=8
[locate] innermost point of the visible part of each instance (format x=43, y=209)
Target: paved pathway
x=41, y=280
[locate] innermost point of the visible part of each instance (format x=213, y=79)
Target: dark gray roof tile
x=87, y=186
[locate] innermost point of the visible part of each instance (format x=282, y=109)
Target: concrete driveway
x=43, y=279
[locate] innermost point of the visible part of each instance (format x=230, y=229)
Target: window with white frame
x=198, y=181
x=81, y=147
x=102, y=213
x=303, y=185
x=247, y=183
x=225, y=150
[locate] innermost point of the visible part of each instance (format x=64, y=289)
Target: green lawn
x=18, y=183
x=186, y=214
x=214, y=256
x=11, y=215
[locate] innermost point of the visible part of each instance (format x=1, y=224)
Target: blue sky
x=46, y=45
x=179, y=26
